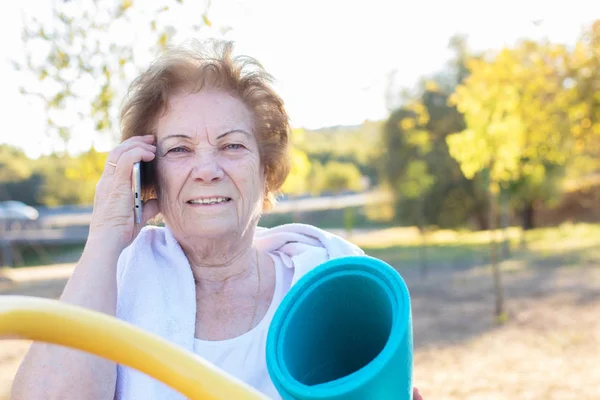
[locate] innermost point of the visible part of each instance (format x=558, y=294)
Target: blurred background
x=459, y=141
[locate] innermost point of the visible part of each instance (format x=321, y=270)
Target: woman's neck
x=217, y=274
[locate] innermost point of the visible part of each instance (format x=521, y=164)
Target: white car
x=17, y=211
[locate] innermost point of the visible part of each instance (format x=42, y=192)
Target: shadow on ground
x=455, y=303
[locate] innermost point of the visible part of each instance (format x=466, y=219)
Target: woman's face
x=210, y=179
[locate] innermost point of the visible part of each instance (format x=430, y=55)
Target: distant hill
x=336, y=129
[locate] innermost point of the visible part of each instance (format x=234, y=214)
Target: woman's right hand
x=113, y=217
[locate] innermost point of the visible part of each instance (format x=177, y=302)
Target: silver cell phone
x=136, y=180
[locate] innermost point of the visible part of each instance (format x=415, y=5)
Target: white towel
x=156, y=290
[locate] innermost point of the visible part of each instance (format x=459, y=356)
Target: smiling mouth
x=210, y=201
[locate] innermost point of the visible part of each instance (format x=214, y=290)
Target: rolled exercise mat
x=344, y=331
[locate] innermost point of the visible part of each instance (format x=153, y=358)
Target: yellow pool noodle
x=56, y=322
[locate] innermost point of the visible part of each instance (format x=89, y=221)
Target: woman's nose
x=207, y=169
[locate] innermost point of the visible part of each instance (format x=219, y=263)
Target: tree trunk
x=481, y=218
x=423, y=234
x=498, y=290
x=504, y=221
x=423, y=252
x=527, y=216
x=527, y=222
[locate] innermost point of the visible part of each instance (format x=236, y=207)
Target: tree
x=79, y=60
x=584, y=111
x=297, y=181
x=14, y=164
x=334, y=177
x=514, y=106
x=404, y=167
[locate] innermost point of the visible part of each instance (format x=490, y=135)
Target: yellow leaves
x=407, y=123
x=298, y=136
x=470, y=150
x=576, y=130
x=420, y=140
x=206, y=20
x=163, y=40
x=453, y=99
x=87, y=167
x=586, y=123
x=296, y=182
x=59, y=59
x=126, y=4
x=515, y=106
x=422, y=116
x=432, y=86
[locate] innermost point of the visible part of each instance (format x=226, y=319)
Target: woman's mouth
x=208, y=201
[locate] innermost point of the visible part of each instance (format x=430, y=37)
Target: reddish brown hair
x=211, y=64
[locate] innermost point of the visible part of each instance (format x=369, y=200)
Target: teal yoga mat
x=344, y=331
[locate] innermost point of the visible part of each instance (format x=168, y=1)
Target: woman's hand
x=416, y=394
x=113, y=217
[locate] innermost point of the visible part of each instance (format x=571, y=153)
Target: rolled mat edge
x=388, y=375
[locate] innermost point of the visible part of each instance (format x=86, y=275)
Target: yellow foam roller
x=56, y=322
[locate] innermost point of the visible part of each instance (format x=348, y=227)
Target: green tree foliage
x=417, y=154
x=584, y=111
x=334, y=177
x=359, y=145
x=50, y=180
x=516, y=107
x=14, y=165
x=405, y=172
x=80, y=58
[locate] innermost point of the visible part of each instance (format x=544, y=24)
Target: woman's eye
x=234, y=146
x=177, y=150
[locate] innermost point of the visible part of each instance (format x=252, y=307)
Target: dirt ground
x=548, y=349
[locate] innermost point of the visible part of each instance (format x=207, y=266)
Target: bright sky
x=331, y=58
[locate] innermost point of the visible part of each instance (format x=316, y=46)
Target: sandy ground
x=548, y=349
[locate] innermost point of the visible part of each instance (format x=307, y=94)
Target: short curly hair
x=210, y=64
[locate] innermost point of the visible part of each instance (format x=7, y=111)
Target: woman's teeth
x=212, y=200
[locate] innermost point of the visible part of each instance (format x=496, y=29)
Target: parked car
x=17, y=211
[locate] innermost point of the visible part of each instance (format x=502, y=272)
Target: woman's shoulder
x=302, y=247
x=299, y=237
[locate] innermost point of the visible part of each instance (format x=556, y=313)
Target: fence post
x=7, y=257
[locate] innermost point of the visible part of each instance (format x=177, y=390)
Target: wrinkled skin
x=206, y=147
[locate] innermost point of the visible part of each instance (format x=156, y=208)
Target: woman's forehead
x=204, y=113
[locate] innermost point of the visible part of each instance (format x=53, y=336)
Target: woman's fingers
x=416, y=394
x=114, y=157
x=125, y=165
x=113, y=214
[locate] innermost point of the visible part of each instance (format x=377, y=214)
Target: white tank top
x=245, y=356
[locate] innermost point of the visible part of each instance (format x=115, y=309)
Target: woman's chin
x=211, y=227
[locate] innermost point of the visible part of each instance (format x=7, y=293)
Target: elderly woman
x=214, y=138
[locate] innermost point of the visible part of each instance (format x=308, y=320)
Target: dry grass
x=548, y=349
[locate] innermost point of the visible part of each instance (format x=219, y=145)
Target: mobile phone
x=136, y=180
